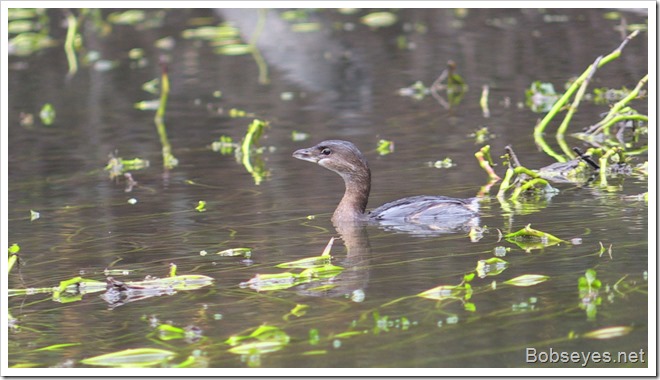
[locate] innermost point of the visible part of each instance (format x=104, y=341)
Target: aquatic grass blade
x=527, y=280
x=608, y=332
x=131, y=358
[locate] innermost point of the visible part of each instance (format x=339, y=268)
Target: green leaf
x=527, y=280
x=55, y=347
x=385, y=147
x=608, y=332
x=379, y=19
x=256, y=348
x=443, y=292
x=491, y=267
x=325, y=271
x=131, y=358
x=235, y=252
x=308, y=262
x=47, y=114
x=14, y=249
x=201, y=206
x=234, y=49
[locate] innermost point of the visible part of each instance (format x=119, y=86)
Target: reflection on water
x=340, y=81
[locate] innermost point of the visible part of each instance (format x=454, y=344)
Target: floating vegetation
x=13, y=256
x=250, y=153
x=446, y=163
x=529, y=239
x=30, y=28
x=608, y=332
x=527, y=280
x=263, y=339
x=132, y=358
x=34, y=215
x=578, y=88
x=588, y=287
x=117, y=166
x=129, y=17
x=482, y=135
x=299, y=136
x=47, y=114
x=385, y=147
x=379, y=19
x=169, y=161
x=483, y=101
x=201, y=206
x=451, y=84
x=315, y=268
x=224, y=145
x=491, y=267
x=540, y=97
x=246, y=252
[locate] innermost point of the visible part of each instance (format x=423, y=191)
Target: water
x=329, y=84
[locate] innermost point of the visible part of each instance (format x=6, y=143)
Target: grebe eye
x=326, y=151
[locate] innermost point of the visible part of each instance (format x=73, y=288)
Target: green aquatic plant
x=577, y=88
x=117, y=166
x=385, y=147
x=263, y=339
x=540, y=97
x=528, y=239
x=169, y=161
x=47, y=114
x=527, y=280
x=250, y=152
x=131, y=358
x=201, y=206
x=379, y=19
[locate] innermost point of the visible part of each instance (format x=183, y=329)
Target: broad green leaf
x=491, y=267
x=131, y=358
x=325, y=271
x=14, y=249
x=308, y=262
x=379, y=19
x=235, y=252
x=529, y=233
x=443, y=292
x=182, y=282
x=266, y=282
x=47, y=114
x=608, y=332
x=255, y=348
x=527, y=280
x=234, y=49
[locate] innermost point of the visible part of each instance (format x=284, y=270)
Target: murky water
x=341, y=81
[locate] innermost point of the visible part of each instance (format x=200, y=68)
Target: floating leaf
x=234, y=49
x=47, y=114
x=130, y=17
x=385, y=147
x=527, y=280
x=308, y=262
x=236, y=252
x=201, y=206
x=325, y=271
x=277, y=281
x=379, y=19
x=444, y=292
x=256, y=348
x=608, y=332
x=55, y=347
x=306, y=27
x=131, y=358
x=491, y=267
x=14, y=249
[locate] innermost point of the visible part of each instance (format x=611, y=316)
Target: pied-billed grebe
x=344, y=158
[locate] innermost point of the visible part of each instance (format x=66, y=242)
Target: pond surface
x=341, y=80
